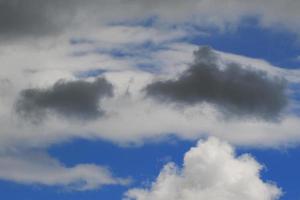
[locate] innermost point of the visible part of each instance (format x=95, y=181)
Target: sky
x=149, y=100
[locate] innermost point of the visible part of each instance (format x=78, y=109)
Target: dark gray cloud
x=232, y=88
x=33, y=19
x=37, y=18
x=72, y=99
x=30, y=17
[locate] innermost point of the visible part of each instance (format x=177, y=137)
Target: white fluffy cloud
x=211, y=170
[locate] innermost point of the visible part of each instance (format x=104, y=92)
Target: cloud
x=211, y=170
x=31, y=18
x=131, y=118
x=233, y=88
x=38, y=168
x=138, y=118
x=44, y=18
x=77, y=99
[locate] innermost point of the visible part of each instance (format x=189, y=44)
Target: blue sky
x=95, y=105
x=281, y=166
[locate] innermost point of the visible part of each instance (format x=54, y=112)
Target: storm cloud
x=234, y=89
x=73, y=99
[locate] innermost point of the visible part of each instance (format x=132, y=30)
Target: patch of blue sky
x=90, y=73
x=124, y=161
x=295, y=91
x=280, y=166
x=124, y=51
x=280, y=48
x=134, y=50
x=143, y=163
x=140, y=53
x=149, y=67
x=294, y=96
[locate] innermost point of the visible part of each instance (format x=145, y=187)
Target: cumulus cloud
x=79, y=99
x=233, y=88
x=39, y=168
x=211, y=170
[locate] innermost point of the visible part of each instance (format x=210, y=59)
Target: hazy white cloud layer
x=211, y=170
x=40, y=169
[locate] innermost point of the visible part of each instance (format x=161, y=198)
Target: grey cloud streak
x=73, y=99
x=235, y=90
x=20, y=18
x=38, y=18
